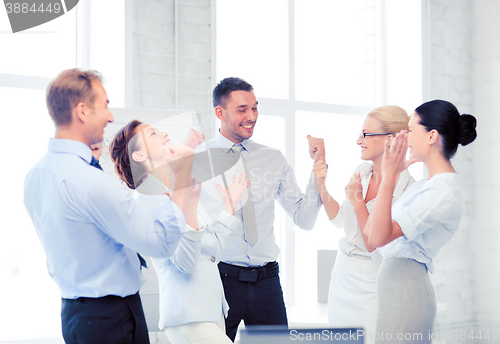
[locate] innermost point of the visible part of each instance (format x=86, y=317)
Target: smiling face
x=100, y=115
x=372, y=147
x=238, y=116
x=150, y=146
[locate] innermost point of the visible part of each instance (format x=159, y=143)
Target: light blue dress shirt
x=91, y=228
x=429, y=214
x=272, y=179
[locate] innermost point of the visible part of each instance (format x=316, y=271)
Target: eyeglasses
x=364, y=135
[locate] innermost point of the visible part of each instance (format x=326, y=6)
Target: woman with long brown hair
x=192, y=302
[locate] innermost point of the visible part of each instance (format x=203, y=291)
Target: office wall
x=486, y=95
x=464, y=68
x=158, y=81
x=448, y=76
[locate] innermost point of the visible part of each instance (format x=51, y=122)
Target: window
x=29, y=59
x=252, y=43
x=329, y=67
x=319, y=66
x=30, y=299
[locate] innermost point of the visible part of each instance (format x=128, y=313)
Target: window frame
x=287, y=109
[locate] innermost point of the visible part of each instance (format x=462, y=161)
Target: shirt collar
x=71, y=147
x=366, y=175
x=225, y=144
x=152, y=186
x=155, y=181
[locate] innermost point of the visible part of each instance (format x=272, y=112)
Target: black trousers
x=107, y=320
x=254, y=296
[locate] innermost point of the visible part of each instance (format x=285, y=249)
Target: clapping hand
x=194, y=194
x=354, y=190
x=394, y=160
x=233, y=193
x=96, y=150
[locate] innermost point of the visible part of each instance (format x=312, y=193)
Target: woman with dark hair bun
x=454, y=128
x=410, y=233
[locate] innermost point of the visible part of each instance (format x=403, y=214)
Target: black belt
x=102, y=299
x=249, y=274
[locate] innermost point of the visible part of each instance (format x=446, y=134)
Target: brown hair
x=392, y=118
x=70, y=87
x=123, y=144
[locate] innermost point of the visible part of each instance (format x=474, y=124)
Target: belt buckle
x=248, y=275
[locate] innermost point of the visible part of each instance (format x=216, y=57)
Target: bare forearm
x=182, y=179
x=180, y=192
x=378, y=227
x=330, y=204
x=180, y=195
x=229, y=208
x=362, y=217
x=192, y=219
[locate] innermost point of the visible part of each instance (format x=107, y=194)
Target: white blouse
x=352, y=244
x=429, y=214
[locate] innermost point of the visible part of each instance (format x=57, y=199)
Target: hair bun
x=467, y=129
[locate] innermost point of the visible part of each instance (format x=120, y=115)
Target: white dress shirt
x=190, y=286
x=90, y=227
x=272, y=179
x=352, y=244
x=429, y=214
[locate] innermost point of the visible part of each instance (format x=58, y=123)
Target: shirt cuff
x=375, y=255
x=193, y=234
x=312, y=181
x=312, y=190
x=337, y=220
x=228, y=220
x=407, y=226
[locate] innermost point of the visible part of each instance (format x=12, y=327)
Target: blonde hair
x=392, y=118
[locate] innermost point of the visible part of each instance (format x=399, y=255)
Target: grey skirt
x=406, y=302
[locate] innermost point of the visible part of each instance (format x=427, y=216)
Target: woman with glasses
x=409, y=233
x=192, y=301
x=352, y=298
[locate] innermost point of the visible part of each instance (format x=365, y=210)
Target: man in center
x=248, y=267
